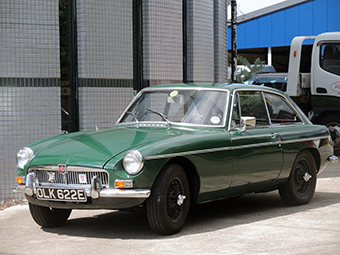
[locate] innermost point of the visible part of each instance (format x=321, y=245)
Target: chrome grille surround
x=43, y=174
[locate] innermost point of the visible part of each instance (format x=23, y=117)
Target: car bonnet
x=95, y=148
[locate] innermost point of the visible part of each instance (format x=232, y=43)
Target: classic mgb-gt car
x=173, y=146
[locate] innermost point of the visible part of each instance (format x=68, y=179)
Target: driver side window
x=249, y=104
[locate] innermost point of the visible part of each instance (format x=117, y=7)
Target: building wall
x=220, y=41
x=200, y=41
x=30, y=93
x=105, y=51
x=29, y=80
x=105, y=61
x=162, y=41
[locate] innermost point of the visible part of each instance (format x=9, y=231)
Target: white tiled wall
x=101, y=107
x=201, y=41
x=105, y=45
x=30, y=63
x=105, y=52
x=221, y=41
x=29, y=80
x=162, y=40
x=29, y=38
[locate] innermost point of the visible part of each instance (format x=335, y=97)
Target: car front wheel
x=168, y=205
x=300, y=186
x=49, y=217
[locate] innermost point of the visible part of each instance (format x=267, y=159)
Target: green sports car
x=176, y=145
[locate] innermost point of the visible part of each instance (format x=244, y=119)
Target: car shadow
x=202, y=218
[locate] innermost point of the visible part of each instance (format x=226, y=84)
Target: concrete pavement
x=253, y=224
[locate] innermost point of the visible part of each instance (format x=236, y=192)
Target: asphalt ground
x=252, y=224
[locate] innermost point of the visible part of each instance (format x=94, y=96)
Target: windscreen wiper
x=133, y=115
x=160, y=114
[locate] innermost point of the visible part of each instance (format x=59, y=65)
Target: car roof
x=281, y=75
x=268, y=69
x=227, y=87
x=224, y=86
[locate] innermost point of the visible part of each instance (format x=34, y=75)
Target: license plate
x=58, y=194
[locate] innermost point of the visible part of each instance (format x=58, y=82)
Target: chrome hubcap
x=180, y=199
x=307, y=177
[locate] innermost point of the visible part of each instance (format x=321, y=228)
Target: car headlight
x=23, y=156
x=133, y=162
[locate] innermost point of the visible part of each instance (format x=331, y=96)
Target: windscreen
x=196, y=107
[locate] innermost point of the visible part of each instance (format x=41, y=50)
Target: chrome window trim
x=179, y=123
x=290, y=106
x=267, y=110
x=262, y=92
x=188, y=153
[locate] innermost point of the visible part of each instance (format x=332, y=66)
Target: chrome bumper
x=95, y=190
x=333, y=159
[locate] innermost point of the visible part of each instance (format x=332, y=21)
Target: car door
x=287, y=122
x=257, y=151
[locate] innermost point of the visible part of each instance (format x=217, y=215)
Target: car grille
x=74, y=175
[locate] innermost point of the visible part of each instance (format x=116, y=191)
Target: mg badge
x=62, y=168
x=51, y=177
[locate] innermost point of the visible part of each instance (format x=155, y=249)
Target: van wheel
x=168, y=205
x=300, y=186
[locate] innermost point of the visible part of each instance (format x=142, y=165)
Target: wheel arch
x=316, y=155
x=192, y=175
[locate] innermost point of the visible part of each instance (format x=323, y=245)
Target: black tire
x=168, y=205
x=300, y=186
x=333, y=123
x=49, y=217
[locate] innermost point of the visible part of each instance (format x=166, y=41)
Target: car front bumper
x=97, y=195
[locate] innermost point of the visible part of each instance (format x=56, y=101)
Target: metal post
x=234, y=40
x=137, y=45
x=269, y=56
x=73, y=53
x=185, y=41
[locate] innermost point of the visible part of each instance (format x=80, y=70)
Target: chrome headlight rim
x=23, y=156
x=133, y=162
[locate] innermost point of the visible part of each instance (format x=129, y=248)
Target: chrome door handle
x=273, y=135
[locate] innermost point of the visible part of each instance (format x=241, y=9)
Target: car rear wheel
x=168, y=206
x=300, y=186
x=49, y=217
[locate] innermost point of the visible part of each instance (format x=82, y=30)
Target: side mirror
x=247, y=121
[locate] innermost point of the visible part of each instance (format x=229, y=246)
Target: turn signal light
x=121, y=184
x=20, y=179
